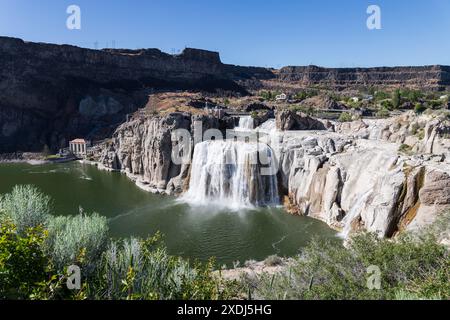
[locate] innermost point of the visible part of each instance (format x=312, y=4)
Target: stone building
x=79, y=147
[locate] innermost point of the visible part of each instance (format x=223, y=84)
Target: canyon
x=380, y=175
x=353, y=176
x=50, y=94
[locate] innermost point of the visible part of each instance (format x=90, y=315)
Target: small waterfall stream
x=269, y=126
x=354, y=212
x=228, y=173
x=246, y=123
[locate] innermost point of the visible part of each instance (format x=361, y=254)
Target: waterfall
x=246, y=123
x=353, y=213
x=227, y=173
x=269, y=126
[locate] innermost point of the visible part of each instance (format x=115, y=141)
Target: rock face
x=358, y=177
x=360, y=184
x=425, y=134
x=143, y=149
x=291, y=120
x=420, y=77
x=50, y=94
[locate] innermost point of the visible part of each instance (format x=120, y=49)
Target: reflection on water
x=193, y=232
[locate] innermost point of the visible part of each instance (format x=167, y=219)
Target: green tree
x=419, y=108
x=396, y=99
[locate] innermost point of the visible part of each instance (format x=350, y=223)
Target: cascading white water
x=269, y=126
x=246, y=123
x=354, y=212
x=227, y=173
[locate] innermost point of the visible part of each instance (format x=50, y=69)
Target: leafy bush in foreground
x=22, y=261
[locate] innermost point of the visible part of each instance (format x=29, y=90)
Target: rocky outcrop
x=143, y=148
x=384, y=175
x=353, y=179
x=427, y=134
x=291, y=120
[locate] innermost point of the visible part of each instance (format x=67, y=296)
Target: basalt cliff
x=50, y=94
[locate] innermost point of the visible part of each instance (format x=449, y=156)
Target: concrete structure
x=281, y=97
x=79, y=147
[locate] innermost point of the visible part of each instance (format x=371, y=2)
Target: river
x=189, y=231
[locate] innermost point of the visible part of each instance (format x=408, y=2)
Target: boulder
x=436, y=189
x=291, y=120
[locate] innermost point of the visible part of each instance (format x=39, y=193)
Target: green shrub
x=306, y=110
x=416, y=266
x=414, y=128
x=345, y=117
x=302, y=95
x=387, y=104
x=383, y=113
x=26, y=207
x=404, y=148
x=419, y=108
x=435, y=104
x=22, y=261
x=396, y=99
x=76, y=240
x=381, y=95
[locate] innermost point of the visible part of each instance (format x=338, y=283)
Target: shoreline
x=134, y=178
x=32, y=158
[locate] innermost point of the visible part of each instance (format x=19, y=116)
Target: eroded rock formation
x=357, y=178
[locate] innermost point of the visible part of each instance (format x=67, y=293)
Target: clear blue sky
x=248, y=32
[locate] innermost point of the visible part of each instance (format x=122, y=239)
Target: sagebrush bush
x=76, y=240
x=138, y=269
x=26, y=207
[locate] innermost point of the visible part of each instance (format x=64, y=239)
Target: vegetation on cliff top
x=37, y=248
